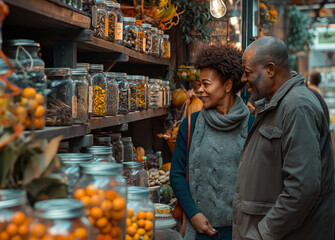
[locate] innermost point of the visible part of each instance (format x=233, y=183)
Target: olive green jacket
x=285, y=180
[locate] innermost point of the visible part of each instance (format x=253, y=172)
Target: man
x=314, y=82
x=285, y=181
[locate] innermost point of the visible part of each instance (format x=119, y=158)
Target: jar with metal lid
x=141, y=38
x=166, y=46
x=148, y=38
x=141, y=92
x=102, y=189
x=118, y=150
x=101, y=24
x=130, y=33
x=124, y=92
x=161, y=42
x=155, y=42
x=133, y=93
x=167, y=93
x=141, y=211
x=112, y=94
x=112, y=18
x=163, y=90
x=101, y=154
x=15, y=214
x=161, y=93
x=62, y=104
x=90, y=101
x=135, y=174
x=128, y=149
x=153, y=93
x=119, y=24
x=60, y=219
x=30, y=77
x=72, y=162
x=102, y=141
x=81, y=94
x=147, y=87
x=99, y=87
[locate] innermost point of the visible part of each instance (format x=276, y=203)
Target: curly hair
x=226, y=60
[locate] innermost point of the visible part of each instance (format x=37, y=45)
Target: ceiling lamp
x=217, y=8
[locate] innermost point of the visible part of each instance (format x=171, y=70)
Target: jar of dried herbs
x=124, y=92
x=130, y=33
x=128, y=149
x=101, y=25
x=81, y=93
x=166, y=46
x=141, y=38
x=112, y=17
x=119, y=24
x=148, y=38
x=141, y=92
x=112, y=94
x=167, y=93
x=147, y=86
x=90, y=100
x=135, y=174
x=155, y=42
x=100, y=90
x=153, y=93
x=62, y=103
x=118, y=151
x=160, y=46
x=161, y=93
x=133, y=93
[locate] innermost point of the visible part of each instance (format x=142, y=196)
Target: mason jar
x=128, y=149
x=30, y=77
x=119, y=24
x=72, y=162
x=148, y=38
x=166, y=46
x=81, y=95
x=163, y=93
x=102, y=189
x=130, y=33
x=141, y=38
x=161, y=42
x=60, y=219
x=15, y=214
x=118, y=149
x=101, y=26
x=155, y=42
x=112, y=19
x=141, y=92
x=124, y=92
x=90, y=101
x=112, y=94
x=62, y=104
x=100, y=90
x=147, y=88
x=153, y=93
x=101, y=154
x=141, y=212
x=133, y=93
x=135, y=174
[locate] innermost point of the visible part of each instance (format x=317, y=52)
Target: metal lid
x=58, y=72
x=129, y=19
x=166, y=36
x=83, y=65
x=100, y=150
x=110, y=3
x=135, y=192
x=21, y=42
x=107, y=169
x=130, y=77
x=75, y=158
x=110, y=74
x=133, y=164
x=139, y=77
x=97, y=67
x=126, y=139
x=59, y=209
x=146, y=25
x=117, y=5
x=100, y=1
x=12, y=198
x=79, y=71
x=154, y=29
x=152, y=80
x=121, y=75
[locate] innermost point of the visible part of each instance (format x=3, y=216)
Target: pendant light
x=217, y=8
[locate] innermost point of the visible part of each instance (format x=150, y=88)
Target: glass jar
x=101, y=154
x=140, y=211
x=161, y=42
x=112, y=94
x=154, y=93
x=88, y=6
x=61, y=100
x=166, y=46
x=102, y=189
x=155, y=42
x=128, y=149
x=163, y=92
x=135, y=174
x=72, y=162
x=102, y=141
x=112, y=18
x=90, y=101
x=101, y=24
x=99, y=87
x=147, y=87
x=15, y=214
x=119, y=24
x=148, y=38
x=124, y=92
x=30, y=77
x=130, y=33
x=118, y=150
x=141, y=92
x=141, y=38
x=60, y=219
x=133, y=93
x=81, y=94
x=160, y=93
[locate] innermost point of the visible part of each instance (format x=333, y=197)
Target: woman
x=218, y=133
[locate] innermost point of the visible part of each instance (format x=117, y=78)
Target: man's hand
x=202, y=225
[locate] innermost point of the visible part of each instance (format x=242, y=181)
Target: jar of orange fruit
x=103, y=191
x=60, y=219
x=140, y=214
x=15, y=214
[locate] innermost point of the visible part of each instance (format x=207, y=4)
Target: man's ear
x=272, y=69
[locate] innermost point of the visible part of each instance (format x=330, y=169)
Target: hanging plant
x=268, y=15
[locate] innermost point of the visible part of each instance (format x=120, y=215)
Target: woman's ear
x=229, y=85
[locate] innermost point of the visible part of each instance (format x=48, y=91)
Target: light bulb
x=233, y=20
x=217, y=8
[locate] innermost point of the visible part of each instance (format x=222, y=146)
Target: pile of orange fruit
x=16, y=228
x=140, y=225
x=30, y=113
x=106, y=211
